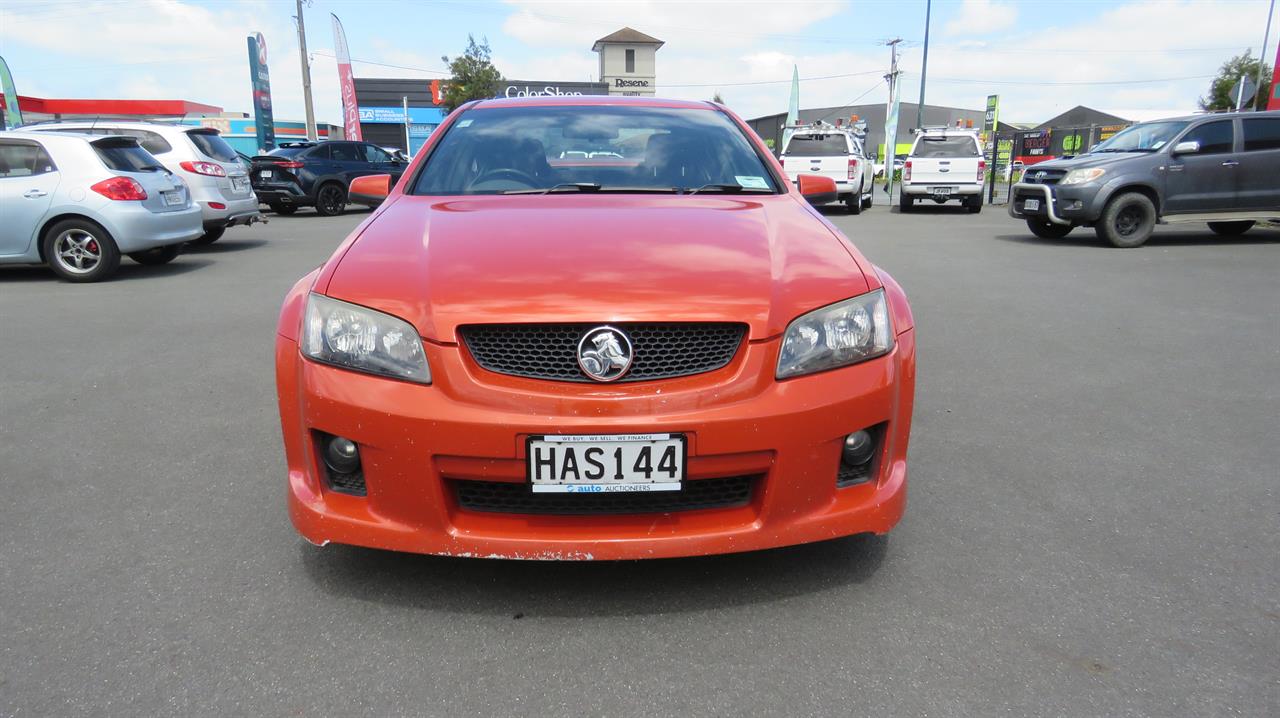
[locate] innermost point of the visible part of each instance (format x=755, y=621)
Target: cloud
x=982, y=17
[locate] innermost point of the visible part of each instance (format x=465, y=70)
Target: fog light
x=217, y=205
x=342, y=455
x=858, y=448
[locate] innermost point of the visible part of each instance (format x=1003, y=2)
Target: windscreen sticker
x=751, y=182
x=464, y=123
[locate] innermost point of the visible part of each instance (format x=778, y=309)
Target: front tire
x=870, y=200
x=1128, y=221
x=1230, y=229
x=78, y=250
x=156, y=257
x=209, y=237
x=1045, y=229
x=331, y=200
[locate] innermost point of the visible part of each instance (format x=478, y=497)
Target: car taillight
x=982, y=170
x=906, y=170
x=120, y=188
x=204, y=168
x=853, y=168
x=290, y=165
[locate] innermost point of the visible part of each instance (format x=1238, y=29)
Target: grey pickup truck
x=1223, y=169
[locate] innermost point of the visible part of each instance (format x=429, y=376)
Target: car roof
x=48, y=136
x=1214, y=116
x=131, y=124
x=592, y=100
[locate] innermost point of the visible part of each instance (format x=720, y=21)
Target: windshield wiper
x=562, y=187
x=728, y=188
x=594, y=187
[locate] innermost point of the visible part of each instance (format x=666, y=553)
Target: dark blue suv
x=317, y=174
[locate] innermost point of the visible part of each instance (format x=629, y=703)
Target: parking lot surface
x=1092, y=524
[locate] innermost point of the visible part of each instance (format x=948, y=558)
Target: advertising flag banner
x=263, y=122
x=1273, y=103
x=891, y=135
x=12, y=113
x=350, y=108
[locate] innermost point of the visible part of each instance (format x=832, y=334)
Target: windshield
x=942, y=146
x=816, y=146
x=213, y=146
x=1146, y=137
x=592, y=148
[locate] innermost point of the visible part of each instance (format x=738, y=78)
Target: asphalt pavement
x=1092, y=527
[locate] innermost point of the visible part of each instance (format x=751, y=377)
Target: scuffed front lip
x=470, y=425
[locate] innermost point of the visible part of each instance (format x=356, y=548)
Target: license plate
x=942, y=191
x=265, y=174
x=569, y=464
x=239, y=184
x=172, y=198
x=1031, y=205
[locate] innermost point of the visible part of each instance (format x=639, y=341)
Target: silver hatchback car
x=212, y=169
x=77, y=202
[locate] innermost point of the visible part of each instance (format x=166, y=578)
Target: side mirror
x=817, y=189
x=1189, y=147
x=369, y=190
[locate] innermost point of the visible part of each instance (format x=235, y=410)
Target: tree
x=1220, y=97
x=473, y=75
x=716, y=98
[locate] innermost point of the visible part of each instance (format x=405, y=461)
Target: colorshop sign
x=538, y=88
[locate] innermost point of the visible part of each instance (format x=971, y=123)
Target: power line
x=774, y=82
x=1041, y=83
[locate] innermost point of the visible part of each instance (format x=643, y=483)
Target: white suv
x=834, y=152
x=944, y=164
x=212, y=170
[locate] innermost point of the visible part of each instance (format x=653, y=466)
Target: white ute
x=944, y=164
x=835, y=152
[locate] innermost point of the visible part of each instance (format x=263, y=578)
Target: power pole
x=891, y=118
x=306, y=74
x=1262, y=59
x=924, y=65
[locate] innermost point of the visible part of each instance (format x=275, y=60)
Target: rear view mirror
x=370, y=190
x=817, y=189
x=1189, y=147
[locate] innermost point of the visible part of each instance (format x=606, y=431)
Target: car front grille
x=515, y=498
x=1032, y=176
x=550, y=351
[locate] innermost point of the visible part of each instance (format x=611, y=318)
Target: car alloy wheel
x=332, y=200
x=77, y=251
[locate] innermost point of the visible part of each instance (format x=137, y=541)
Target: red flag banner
x=350, y=109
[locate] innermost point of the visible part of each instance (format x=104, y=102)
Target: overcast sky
x=195, y=49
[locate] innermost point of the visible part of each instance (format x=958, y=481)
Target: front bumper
x=1060, y=204
x=471, y=425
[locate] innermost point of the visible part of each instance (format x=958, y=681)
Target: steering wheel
x=509, y=174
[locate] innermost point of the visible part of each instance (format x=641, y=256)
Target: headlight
x=358, y=338
x=1082, y=176
x=837, y=335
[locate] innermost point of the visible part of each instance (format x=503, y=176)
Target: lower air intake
x=512, y=498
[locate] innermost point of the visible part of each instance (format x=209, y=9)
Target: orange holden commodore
x=594, y=328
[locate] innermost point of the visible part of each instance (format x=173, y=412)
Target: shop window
x=631, y=60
